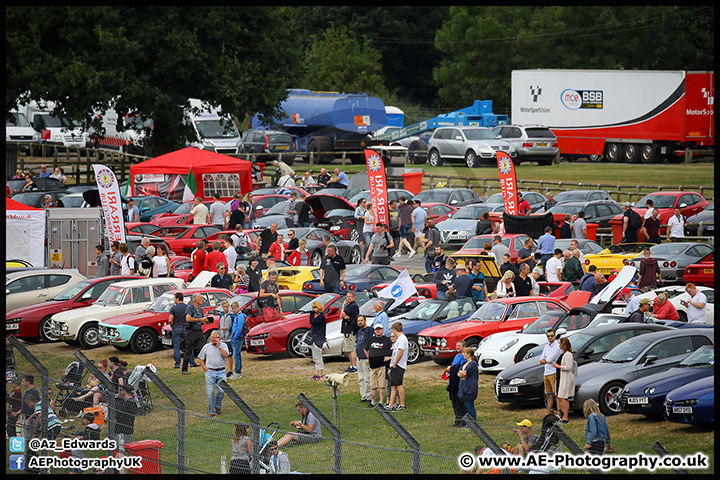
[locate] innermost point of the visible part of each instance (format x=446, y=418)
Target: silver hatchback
x=532, y=142
x=475, y=145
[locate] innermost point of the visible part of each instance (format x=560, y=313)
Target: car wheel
x=594, y=158
x=610, y=398
x=45, y=331
x=316, y=258
x=682, y=316
x=435, y=159
x=88, y=335
x=521, y=353
x=354, y=235
x=613, y=152
x=471, y=159
x=414, y=353
x=356, y=256
x=294, y=341
x=144, y=340
x=473, y=343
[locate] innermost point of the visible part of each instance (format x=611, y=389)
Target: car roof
x=39, y=270
x=146, y=281
x=525, y=299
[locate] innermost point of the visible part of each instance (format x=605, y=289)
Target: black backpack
x=634, y=219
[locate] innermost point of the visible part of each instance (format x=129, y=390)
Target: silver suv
x=475, y=145
x=532, y=142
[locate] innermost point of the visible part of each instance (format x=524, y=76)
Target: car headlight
x=335, y=228
x=650, y=390
x=260, y=336
x=421, y=340
x=509, y=344
x=485, y=149
x=466, y=232
x=13, y=320
x=443, y=342
x=517, y=381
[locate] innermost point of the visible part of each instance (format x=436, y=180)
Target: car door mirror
x=333, y=310
x=650, y=359
x=453, y=202
x=86, y=296
x=259, y=207
x=561, y=331
x=683, y=205
x=588, y=353
x=458, y=137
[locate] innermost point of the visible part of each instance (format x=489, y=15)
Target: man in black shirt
x=303, y=212
x=222, y=279
x=377, y=351
x=522, y=282
x=176, y=318
x=462, y=286
x=349, y=327
x=267, y=238
x=255, y=275
x=323, y=178
x=332, y=271
x=445, y=277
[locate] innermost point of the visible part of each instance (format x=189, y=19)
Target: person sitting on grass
x=308, y=428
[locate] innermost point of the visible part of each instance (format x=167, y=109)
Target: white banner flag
x=109, y=191
x=399, y=290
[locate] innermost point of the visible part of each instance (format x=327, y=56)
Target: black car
x=523, y=382
x=597, y=211
x=42, y=184
x=270, y=142
x=455, y=197
x=581, y=196
x=705, y=216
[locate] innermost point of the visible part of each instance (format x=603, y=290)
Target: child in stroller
x=94, y=387
x=70, y=387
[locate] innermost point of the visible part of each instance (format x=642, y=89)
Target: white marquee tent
x=24, y=233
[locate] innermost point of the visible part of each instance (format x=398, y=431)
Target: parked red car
x=291, y=300
x=180, y=216
x=701, y=273
x=254, y=234
x=263, y=203
x=493, y=316
x=438, y=211
x=181, y=267
x=141, y=228
x=183, y=239
x=284, y=335
x=34, y=321
x=474, y=246
x=690, y=203
x=140, y=330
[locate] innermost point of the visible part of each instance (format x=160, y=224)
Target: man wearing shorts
x=405, y=226
x=418, y=216
x=550, y=354
x=398, y=365
x=308, y=428
x=377, y=349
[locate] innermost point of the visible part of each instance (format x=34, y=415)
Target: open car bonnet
x=603, y=300
x=324, y=203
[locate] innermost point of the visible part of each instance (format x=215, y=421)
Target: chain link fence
x=174, y=434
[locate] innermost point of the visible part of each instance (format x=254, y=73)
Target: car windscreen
x=479, y=242
x=566, y=209
x=356, y=270
x=430, y=196
x=339, y=213
x=542, y=324
x=216, y=128
x=471, y=212
x=570, y=196
x=659, y=201
x=425, y=310
x=112, y=296
x=71, y=291
x=703, y=357
x=479, y=134
x=490, y=312
x=279, y=138
x=325, y=299
x=666, y=249
x=163, y=303
x=17, y=120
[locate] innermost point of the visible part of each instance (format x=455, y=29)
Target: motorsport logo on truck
x=576, y=99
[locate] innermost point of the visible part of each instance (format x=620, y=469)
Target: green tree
x=149, y=61
x=339, y=61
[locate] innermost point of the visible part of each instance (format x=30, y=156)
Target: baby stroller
x=265, y=438
x=548, y=440
x=140, y=384
x=71, y=386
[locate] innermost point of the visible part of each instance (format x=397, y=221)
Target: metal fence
x=176, y=435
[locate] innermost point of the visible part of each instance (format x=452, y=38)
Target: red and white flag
x=109, y=191
x=508, y=182
x=378, y=186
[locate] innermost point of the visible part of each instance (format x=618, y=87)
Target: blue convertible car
x=646, y=395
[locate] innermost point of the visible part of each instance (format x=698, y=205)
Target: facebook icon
x=17, y=462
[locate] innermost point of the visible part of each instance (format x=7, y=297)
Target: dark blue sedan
x=693, y=403
x=357, y=278
x=647, y=395
x=150, y=206
x=430, y=313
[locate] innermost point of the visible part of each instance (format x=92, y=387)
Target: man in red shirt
x=278, y=248
x=214, y=257
x=198, y=258
x=523, y=205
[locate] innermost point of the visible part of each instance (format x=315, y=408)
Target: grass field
x=270, y=386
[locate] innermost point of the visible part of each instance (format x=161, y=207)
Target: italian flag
x=190, y=187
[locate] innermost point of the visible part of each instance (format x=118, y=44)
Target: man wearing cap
x=633, y=302
x=376, y=349
x=551, y=352
x=638, y=316
x=527, y=437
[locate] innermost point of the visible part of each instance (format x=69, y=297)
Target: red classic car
x=701, y=273
x=182, y=239
x=141, y=228
x=493, y=316
x=291, y=300
x=285, y=335
x=438, y=211
x=180, y=216
x=33, y=322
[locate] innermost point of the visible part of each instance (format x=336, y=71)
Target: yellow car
x=17, y=264
x=615, y=256
x=292, y=278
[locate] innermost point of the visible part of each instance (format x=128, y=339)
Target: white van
x=19, y=130
x=217, y=133
x=129, y=140
x=51, y=129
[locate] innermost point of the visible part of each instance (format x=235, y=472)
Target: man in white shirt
x=550, y=354
x=499, y=250
x=199, y=212
x=231, y=256
x=633, y=302
x=398, y=365
x=217, y=212
x=676, y=227
x=696, y=305
x=554, y=265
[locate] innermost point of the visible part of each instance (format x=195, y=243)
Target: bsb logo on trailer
x=576, y=99
x=378, y=186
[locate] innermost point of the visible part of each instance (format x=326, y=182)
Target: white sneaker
x=411, y=254
x=397, y=255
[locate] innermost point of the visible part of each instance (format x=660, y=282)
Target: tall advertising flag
x=109, y=190
x=508, y=182
x=378, y=186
